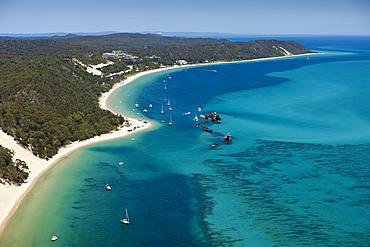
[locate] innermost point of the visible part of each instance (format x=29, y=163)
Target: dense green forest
x=47, y=100
x=12, y=171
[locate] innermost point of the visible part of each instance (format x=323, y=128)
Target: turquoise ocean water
x=297, y=172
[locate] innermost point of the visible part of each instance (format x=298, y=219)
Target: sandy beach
x=11, y=196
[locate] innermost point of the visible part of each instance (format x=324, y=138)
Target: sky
x=310, y=17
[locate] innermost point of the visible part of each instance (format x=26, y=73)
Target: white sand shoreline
x=11, y=196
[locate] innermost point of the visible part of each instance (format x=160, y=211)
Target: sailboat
x=163, y=120
x=165, y=87
x=126, y=220
x=170, y=123
x=162, y=109
x=196, y=118
x=168, y=103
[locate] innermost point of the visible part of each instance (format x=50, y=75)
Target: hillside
x=49, y=100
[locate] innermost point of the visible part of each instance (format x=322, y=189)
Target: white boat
x=137, y=105
x=165, y=87
x=150, y=106
x=54, y=237
x=108, y=187
x=168, y=102
x=162, y=109
x=120, y=163
x=170, y=123
x=126, y=220
x=145, y=110
x=170, y=109
x=199, y=109
x=196, y=118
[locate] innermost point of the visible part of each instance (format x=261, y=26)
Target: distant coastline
x=11, y=196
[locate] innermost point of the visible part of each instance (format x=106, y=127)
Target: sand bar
x=11, y=196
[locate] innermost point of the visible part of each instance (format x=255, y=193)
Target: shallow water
x=295, y=174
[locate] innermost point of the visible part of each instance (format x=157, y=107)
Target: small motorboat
x=54, y=237
x=150, y=106
x=120, y=163
x=108, y=187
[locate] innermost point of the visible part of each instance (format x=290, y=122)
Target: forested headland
x=48, y=100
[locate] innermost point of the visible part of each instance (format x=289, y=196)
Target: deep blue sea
x=297, y=172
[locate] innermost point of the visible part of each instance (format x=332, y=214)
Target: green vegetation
x=12, y=171
x=47, y=100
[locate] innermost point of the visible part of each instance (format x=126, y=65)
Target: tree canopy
x=48, y=100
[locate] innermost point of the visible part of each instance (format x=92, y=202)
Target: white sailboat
x=168, y=103
x=162, y=109
x=170, y=123
x=126, y=220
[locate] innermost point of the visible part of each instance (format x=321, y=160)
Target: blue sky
x=337, y=17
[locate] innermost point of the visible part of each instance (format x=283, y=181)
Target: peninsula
x=54, y=91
